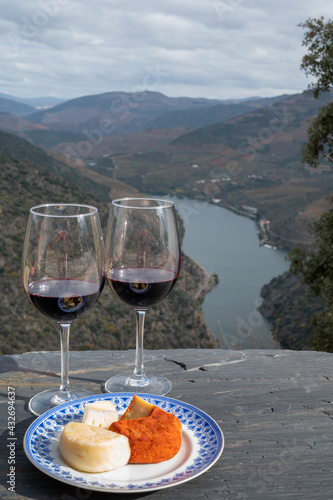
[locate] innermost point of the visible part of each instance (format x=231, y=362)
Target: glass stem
x=139, y=373
x=65, y=391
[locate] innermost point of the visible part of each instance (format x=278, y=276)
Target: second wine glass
x=142, y=265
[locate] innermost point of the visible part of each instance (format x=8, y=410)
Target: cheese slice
x=100, y=414
x=91, y=449
x=138, y=408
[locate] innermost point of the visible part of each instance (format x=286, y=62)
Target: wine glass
x=142, y=265
x=63, y=275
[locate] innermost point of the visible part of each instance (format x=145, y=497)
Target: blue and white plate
x=202, y=445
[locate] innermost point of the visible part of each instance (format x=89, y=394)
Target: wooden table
x=274, y=407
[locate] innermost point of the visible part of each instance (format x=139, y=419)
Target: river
x=228, y=244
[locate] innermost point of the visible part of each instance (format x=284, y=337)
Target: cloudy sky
x=198, y=48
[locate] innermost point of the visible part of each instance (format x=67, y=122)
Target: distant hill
x=114, y=112
x=122, y=112
x=66, y=141
x=282, y=116
x=15, y=108
x=198, y=118
x=35, y=102
x=108, y=146
x=36, y=133
x=28, y=176
x=95, y=117
x=17, y=125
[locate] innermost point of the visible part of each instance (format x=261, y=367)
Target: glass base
x=153, y=384
x=46, y=400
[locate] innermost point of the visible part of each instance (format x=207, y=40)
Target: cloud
x=207, y=48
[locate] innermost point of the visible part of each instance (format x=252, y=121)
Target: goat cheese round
x=92, y=449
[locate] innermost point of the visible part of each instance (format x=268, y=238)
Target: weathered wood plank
x=274, y=407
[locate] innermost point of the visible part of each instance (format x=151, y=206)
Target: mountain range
x=245, y=154
x=120, y=112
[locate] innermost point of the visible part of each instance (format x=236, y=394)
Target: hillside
x=16, y=125
x=176, y=322
x=198, y=118
x=15, y=108
x=253, y=161
x=282, y=116
x=289, y=305
x=19, y=148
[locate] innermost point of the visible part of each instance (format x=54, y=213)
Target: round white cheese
x=92, y=449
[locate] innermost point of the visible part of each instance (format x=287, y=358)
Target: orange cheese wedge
x=153, y=439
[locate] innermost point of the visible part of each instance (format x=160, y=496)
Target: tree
x=318, y=62
x=316, y=271
x=316, y=268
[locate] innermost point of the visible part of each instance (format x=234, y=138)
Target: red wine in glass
x=142, y=266
x=63, y=273
x=63, y=299
x=141, y=287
